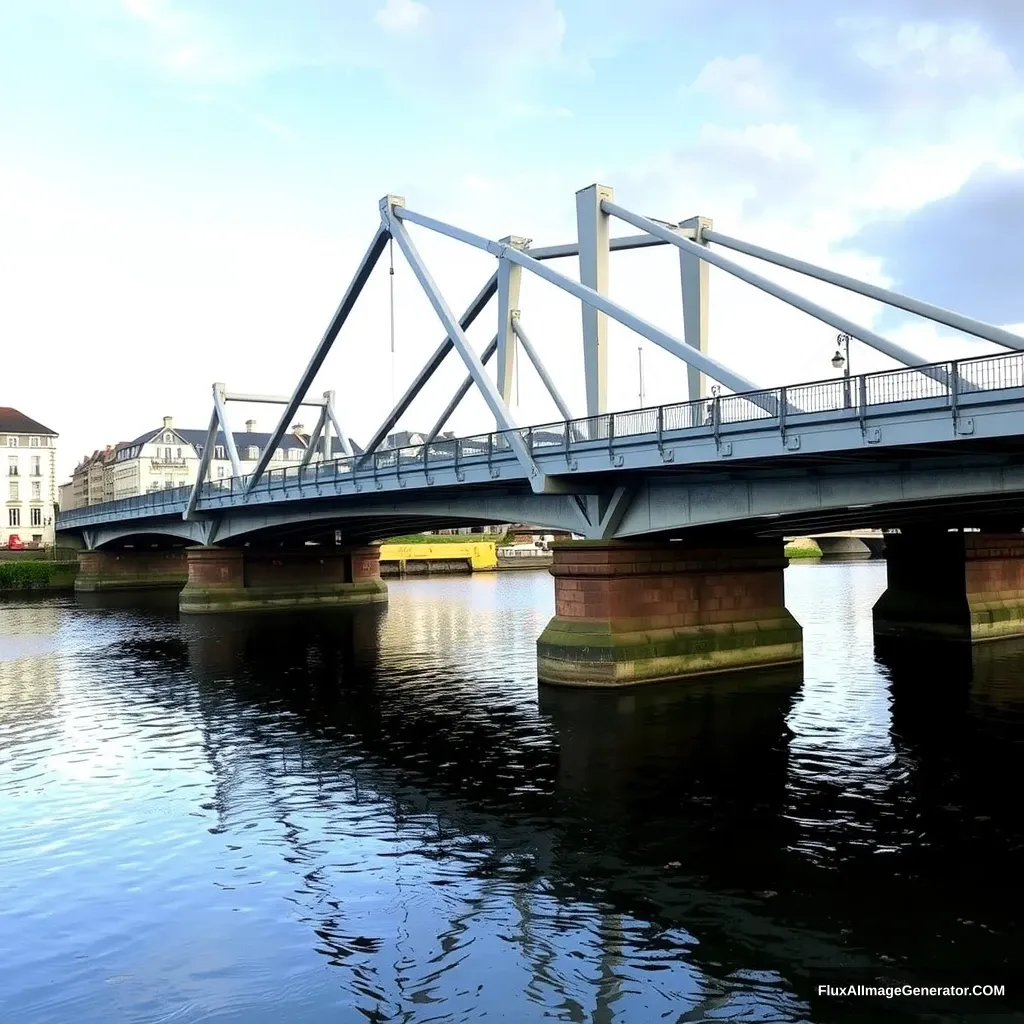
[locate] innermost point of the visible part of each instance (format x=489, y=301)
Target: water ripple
x=375, y=816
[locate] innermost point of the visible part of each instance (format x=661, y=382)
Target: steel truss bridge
x=929, y=442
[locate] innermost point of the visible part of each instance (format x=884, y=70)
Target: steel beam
x=328, y=409
x=393, y=224
x=509, y=281
x=554, y=252
x=332, y=420
x=840, y=323
x=231, y=396
x=314, y=438
x=204, y=468
x=948, y=318
x=362, y=274
x=592, y=225
x=461, y=393
x=714, y=369
x=473, y=310
x=229, y=438
x=542, y=372
x=693, y=276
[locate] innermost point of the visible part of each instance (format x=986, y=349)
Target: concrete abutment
x=638, y=612
x=232, y=579
x=962, y=586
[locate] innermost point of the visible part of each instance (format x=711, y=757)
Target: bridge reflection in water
x=389, y=789
x=681, y=827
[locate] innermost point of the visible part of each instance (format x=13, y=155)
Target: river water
x=374, y=816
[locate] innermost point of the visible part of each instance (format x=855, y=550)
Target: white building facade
x=169, y=457
x=30, y=480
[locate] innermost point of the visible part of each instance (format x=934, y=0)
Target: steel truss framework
x=595, y=207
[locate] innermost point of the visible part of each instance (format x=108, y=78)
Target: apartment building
x=30, y=492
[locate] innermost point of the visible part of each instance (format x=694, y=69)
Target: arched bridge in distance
x=682, y=507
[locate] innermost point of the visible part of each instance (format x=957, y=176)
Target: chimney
x=250, y=426
x=298, y=428
x=168, y=423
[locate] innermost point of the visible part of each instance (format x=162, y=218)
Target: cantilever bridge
x=934, y=445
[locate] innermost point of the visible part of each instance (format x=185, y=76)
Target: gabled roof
x=197, y=438
x=14, y=422
x=243, y=439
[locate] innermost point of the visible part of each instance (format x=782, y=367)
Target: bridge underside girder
x=791, y=499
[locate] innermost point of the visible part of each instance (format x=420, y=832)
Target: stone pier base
x=954, y=586
x=250, y=579
x=130, y=570
x=636, y=612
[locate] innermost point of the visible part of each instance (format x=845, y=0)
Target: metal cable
x=391, y=283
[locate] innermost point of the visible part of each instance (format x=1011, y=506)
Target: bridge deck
x=972, y=402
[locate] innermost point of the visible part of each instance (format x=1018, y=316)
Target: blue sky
x=185, y=187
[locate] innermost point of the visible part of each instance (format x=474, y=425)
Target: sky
x=186, y=188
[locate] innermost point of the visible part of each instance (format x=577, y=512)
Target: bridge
x=683, y=507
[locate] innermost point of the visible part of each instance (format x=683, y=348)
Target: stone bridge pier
x=630, y=612
x=957, y=586
x=243, y=578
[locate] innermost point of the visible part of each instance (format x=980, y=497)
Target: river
x=375, y=816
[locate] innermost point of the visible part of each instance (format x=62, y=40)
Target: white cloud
x=932, y=51
x=401, y=15
x=742, y=82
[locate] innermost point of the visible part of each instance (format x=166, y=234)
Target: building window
x=13, y=489
x=167, y=454
x=218, y=452
x=254, y=453
x=168, y=438
x=220, y=472
x=14, y=517
x=33, y=442
x=12, y=442
x=36, y=490
x=179, y=454
x=35, y=517
x=182, y=483
x=12, y=465
x=37, y=466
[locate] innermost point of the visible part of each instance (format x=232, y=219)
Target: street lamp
x=841, y=360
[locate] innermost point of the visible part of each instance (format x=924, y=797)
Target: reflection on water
x=374, y=815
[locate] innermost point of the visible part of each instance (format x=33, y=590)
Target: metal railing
x=847, y=396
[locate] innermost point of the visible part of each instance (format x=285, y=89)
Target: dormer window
x=253, y=453
x=168, y=438
x=218, y=452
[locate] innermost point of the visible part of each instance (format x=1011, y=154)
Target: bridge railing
x=944, y=381
x=993, y=373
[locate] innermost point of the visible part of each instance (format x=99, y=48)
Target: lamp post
x=841, y=360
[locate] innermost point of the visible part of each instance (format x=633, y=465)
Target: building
x=30, y=497
x=168, y=456
x=91, y=480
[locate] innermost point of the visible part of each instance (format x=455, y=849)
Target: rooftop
x=14, y=422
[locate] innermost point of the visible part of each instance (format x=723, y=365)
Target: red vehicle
x=15, y=543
